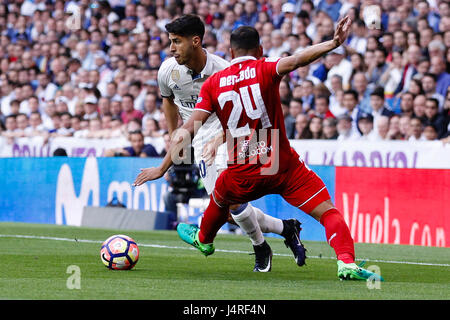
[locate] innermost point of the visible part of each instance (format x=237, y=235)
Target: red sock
x=213, y=219
x=338, y=235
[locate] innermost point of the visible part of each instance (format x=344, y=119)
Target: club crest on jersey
x=175, y=75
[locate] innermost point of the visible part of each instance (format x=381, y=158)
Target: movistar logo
x=67, y=202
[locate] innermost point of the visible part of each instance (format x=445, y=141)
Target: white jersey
x=178, y=81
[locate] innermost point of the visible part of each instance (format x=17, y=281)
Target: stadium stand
x=88, y=70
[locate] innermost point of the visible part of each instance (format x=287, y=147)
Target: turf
x=168, y=269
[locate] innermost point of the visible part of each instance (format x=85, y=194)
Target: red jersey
x=246, y=99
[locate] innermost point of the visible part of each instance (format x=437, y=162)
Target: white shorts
x=209, y=174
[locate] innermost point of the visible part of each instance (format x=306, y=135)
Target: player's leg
x=254, y=222
x=242, y=214
x=287, y=228
x=312, y=197
x=202, y=238
x=339, y=238
x=215, y=215
x=245, y=217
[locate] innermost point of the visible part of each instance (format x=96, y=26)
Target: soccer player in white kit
x=180, y=79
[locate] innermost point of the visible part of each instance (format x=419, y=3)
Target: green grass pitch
x=36, y=262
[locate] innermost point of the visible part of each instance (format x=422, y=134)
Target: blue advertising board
x=55, y=190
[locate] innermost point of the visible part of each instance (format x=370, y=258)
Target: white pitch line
x=217, y=250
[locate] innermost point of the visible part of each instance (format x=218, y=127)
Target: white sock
x=268, y=223
x=247, y=221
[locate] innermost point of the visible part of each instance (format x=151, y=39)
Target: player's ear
x=196, y=41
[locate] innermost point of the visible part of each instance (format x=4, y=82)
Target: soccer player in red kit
x=245, y=98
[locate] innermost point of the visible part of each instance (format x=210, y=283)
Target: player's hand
x=342, y=31
x=209, y=151
x=147, y=174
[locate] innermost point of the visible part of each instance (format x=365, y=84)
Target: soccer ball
x=119, y=252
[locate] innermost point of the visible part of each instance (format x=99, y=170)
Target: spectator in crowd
x=295, y=108
x=129, y=112
x=250, y=15
x=307, y=95
x=429, y=88
x=378, y=106
x=116, y=129
x=278, y=45
x=345, y=128
x=438, y=68
x=151, y=109
x=152, y=128
x=365, y=126
x=415, y=87
x=302, y=130
x=90, y=108
x=382, y=127
x=350, y=103
x=435, y=118
x=422, y=68
x=137, y=148
x=36, y=128
x=10, y=128
x=404, y=126
x=329, y=128
x=340, y=66
x=14, y=108
x=358, y=41
x=360, y=85
x=393, y=132
x=378, y=66
x=407, y=103
x=416, y=130
x=419, y=106
x=331, y=7
x=315, y=127
x=66, y=129
x=322, y=107
x=358, y=65
x=48, y=70
x=430, y=132
x=413, y=54
x=95, y=130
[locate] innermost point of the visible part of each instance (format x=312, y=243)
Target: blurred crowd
x=89, y=69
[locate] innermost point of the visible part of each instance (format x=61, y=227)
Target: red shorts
x=299, y=186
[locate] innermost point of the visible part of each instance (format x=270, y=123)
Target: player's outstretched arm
x=305, y=57
x=181, y=138
x=170, y=111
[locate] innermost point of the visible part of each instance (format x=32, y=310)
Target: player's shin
x=213, y=219
x=245, y=217
x=268, y=223
x=338, y=235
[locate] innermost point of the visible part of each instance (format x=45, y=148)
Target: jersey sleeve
x=269, y=66
x=205, y=101
x=163, y=83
